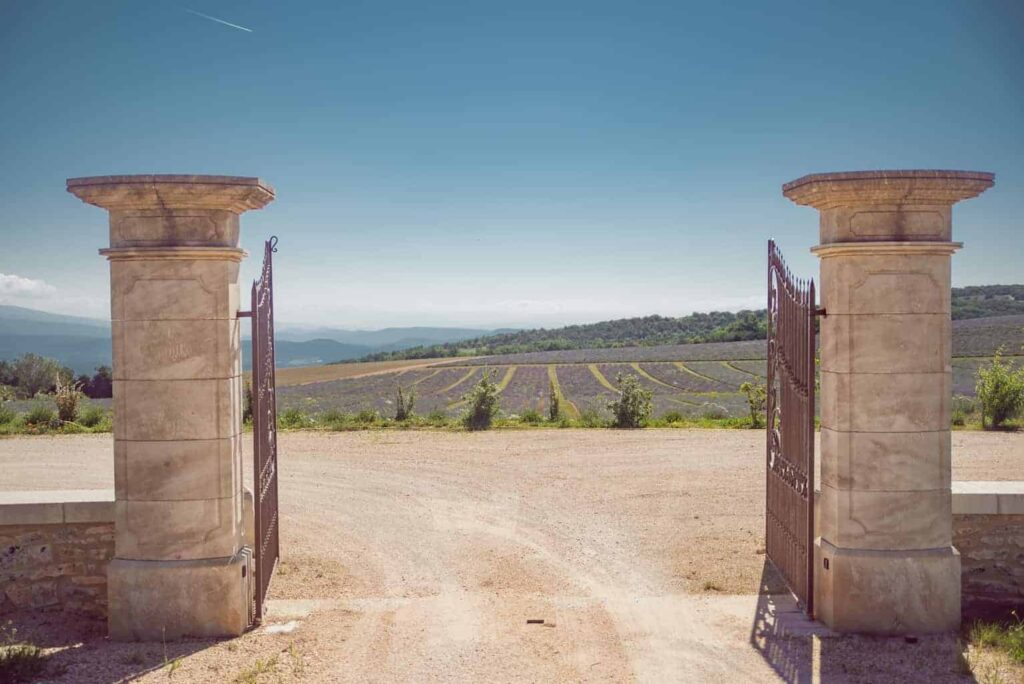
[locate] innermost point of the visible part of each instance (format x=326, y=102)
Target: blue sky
x=485, y=163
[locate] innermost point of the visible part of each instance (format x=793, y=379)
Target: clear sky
x=502, y=163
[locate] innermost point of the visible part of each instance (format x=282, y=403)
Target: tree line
x=30, y=375
x=647, y=331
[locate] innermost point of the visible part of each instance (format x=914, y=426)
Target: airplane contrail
x=219, y=21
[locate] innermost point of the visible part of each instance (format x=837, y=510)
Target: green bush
x=7, y=415
x=483, y=404
x=67, y=395
x=293, y=419
x=531, y=417
x=1000, y=390
x=633, y=407
x=41, y=416
x=673, y=417
x=91, y=416
x=247, y=403
x=366, y=417
x=404, y=405
x=757, y=397
x=592, y=417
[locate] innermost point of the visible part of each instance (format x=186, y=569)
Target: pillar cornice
x=897, y=187
x=236, y=194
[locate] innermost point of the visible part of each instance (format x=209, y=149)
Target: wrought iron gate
x=789, y=514
x=264, y=429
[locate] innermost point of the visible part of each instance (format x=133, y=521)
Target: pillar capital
x=236, y=194
x=887, y=206
x=858, y=188
x=172, y=212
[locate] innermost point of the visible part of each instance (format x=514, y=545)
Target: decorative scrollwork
x=790, y=425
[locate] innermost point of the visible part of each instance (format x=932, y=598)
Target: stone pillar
x=180, y=563
x=885, y=562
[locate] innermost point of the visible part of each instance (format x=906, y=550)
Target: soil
x=421, y=556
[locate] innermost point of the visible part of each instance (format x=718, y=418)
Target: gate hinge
x=820, y=312
x=244, y=314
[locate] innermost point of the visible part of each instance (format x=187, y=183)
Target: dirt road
x=421, y=556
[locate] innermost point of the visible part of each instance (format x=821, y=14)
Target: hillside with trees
x=983, y=301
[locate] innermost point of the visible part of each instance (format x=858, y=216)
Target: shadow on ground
x=70, y=640
x=801, y=650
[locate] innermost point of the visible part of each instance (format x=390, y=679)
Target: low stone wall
x=54, y=550
x=988, y=530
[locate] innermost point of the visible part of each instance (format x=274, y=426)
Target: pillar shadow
x=801, y=650
x=81, y=651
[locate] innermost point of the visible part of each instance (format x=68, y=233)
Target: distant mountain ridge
x=84, y=343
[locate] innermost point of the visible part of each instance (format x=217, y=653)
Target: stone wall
x=54, y=550
x=988, y=530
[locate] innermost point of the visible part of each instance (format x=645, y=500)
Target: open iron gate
x=789, y=511
x=264, y=430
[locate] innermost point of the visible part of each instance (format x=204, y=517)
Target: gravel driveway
x=420, y=556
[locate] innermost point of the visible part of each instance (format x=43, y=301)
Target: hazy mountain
x=84, y=343
x=17, y=320
x=396, y=338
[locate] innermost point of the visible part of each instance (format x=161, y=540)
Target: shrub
x=292, y=419
x=483, y=404
x=404, y=405
x=91, y=416
x=554, y=403
x=712, y=411
x=366, y=417
x=757, y=397
x=633, y=408
x=67, y=395
x=40, y=416
x=673, y=417
x=7, y=415
x=247, y=402
x=1000, y=390
x=531, y=417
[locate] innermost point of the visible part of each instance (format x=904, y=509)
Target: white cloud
x=38, y=294
x=16, y=287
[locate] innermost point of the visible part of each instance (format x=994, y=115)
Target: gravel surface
x=420, y=556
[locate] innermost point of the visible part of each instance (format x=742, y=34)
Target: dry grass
x=337, y=371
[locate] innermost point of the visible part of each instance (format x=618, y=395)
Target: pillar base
x=165, y=600
x=895, y=592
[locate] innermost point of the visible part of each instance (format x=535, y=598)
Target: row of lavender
x=690, y=387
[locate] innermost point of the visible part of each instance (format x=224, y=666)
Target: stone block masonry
x=988, y=530
x=54, y=550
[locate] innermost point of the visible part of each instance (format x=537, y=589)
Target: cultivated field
x=692, y=379
x=419, y=557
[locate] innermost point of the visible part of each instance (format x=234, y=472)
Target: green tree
x=1000, y=390
x=483, y=404
x=757, y=397
x=34, y=374
x=633, y=407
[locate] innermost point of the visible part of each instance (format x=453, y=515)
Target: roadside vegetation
x=692, y=394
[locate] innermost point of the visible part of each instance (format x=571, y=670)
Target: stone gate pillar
x=180, y=565
x=885, y=562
